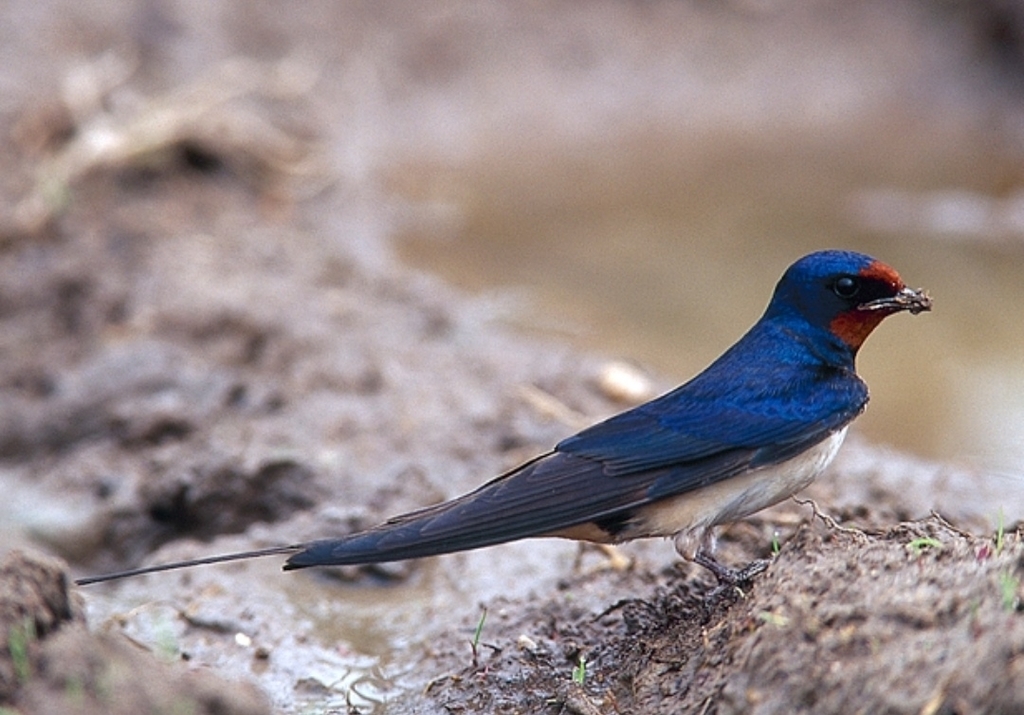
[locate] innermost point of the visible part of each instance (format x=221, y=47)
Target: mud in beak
x=916, y=301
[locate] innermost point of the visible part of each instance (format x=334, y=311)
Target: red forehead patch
x=877, y=270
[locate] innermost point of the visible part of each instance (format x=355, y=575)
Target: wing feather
x=743, y=412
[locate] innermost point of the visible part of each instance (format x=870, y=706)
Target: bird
x=754, y=428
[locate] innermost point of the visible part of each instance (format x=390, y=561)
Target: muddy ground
x=207, y=345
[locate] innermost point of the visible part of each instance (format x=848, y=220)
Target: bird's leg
x=700, y=549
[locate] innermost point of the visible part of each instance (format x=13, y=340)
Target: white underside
x=689, y=517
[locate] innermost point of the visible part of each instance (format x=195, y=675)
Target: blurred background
x=634, y=176
x=647, y=170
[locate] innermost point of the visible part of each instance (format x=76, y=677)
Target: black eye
x=846, y=287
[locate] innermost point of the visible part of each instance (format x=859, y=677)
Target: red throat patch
x=854, y=326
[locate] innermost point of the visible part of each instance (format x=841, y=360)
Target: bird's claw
x=750, y=571
x=730, y=579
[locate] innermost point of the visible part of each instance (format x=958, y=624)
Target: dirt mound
x=921, y=618
x=50, y=662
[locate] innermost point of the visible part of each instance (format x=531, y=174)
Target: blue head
x=846, y=293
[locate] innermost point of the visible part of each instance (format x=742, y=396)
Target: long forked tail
x=237, y=556
x=542, y=497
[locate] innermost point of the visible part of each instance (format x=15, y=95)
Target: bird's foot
x=730, y=579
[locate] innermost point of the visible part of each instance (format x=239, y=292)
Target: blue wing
x=550, y=494
x=743, y=412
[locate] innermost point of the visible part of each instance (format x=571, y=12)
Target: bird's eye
x=846, y=287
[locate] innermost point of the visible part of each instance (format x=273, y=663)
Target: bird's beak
x=916, y=301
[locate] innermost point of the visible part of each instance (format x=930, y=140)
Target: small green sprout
x=1000, y=532
x=776, y=547
x=579, y=671
x=1008, y=585
x=925, y=542
x=18, y=640
x=773, y=619
x=74, y=691
x=475, y=643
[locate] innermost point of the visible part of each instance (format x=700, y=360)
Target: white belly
x=689, y=516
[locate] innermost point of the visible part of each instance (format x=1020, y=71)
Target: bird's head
x=844, y=292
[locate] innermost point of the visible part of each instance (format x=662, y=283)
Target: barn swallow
x=757, y=426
